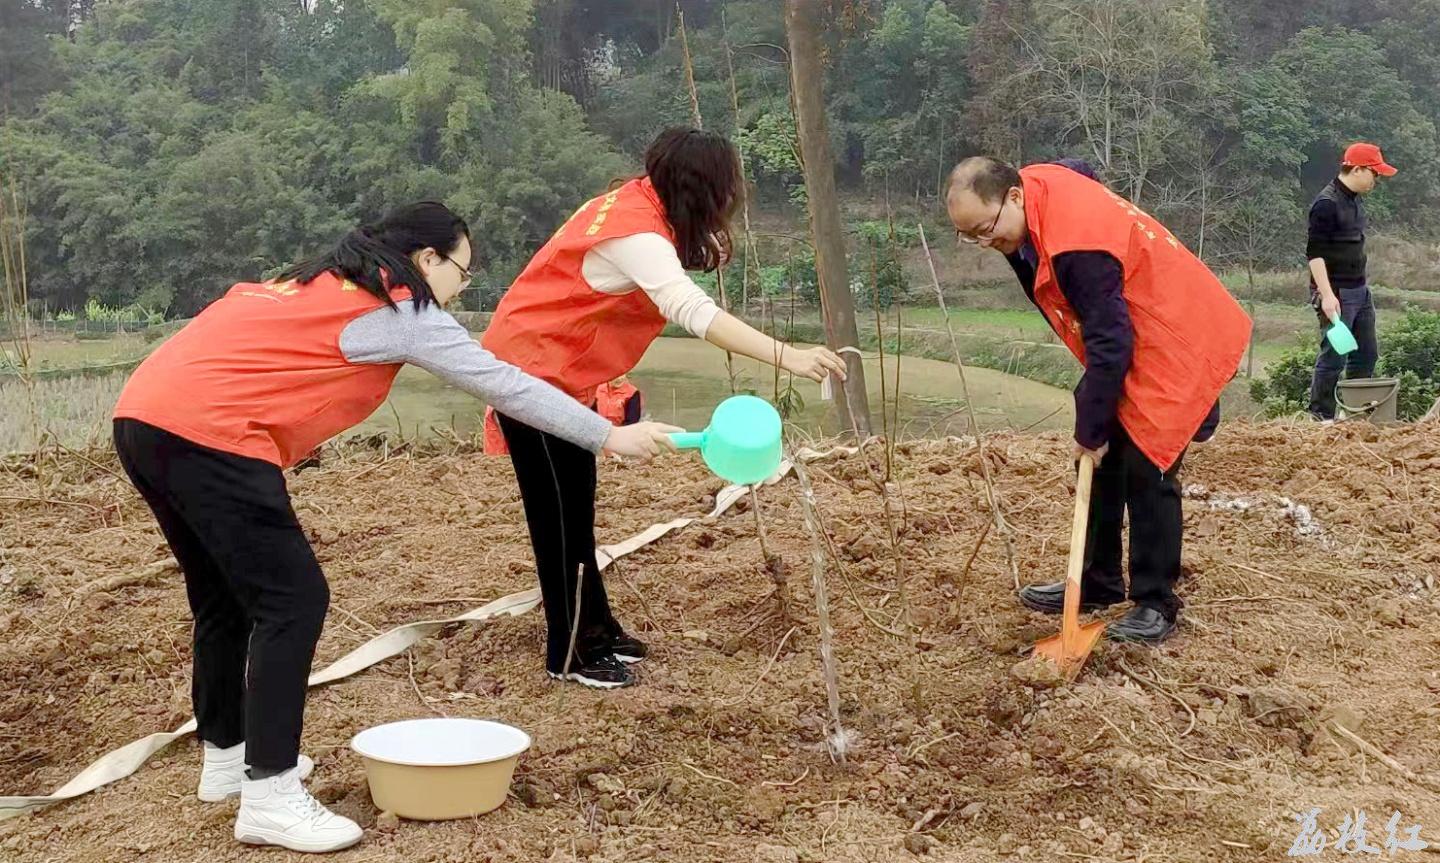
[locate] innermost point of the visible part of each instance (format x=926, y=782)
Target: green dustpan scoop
x=742, y=444
x=1341, y=339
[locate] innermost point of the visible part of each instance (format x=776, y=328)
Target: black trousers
x=1125, y=480
x=255, y=588
x=557, y=485
x=1357, y=310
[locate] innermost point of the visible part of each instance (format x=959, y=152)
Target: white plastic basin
x=436, y=769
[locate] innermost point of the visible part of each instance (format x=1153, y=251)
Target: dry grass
x=74, y=411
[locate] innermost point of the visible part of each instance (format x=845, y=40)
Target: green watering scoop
x=742, y=444
x=1341, y=339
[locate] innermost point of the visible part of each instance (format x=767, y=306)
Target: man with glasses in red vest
x=1159, y=337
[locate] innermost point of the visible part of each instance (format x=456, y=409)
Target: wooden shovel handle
x=1070, y=623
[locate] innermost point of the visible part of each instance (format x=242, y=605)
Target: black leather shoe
x=626, y=647
x=1050, y=598
x=1143, y=624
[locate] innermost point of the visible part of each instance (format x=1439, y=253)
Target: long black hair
x=697, y=175
x=376, y=256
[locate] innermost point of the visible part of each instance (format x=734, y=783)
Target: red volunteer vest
x=1190, y=334
x=260, y=373
x=552, y=324
x=610, y=399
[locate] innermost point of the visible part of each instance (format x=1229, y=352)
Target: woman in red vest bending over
x=583, y=313
x=257, y=381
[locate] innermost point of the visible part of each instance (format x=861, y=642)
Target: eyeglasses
x=988, y=233
x=465, y=273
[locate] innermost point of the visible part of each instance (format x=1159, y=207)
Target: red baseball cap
x=1368, y=156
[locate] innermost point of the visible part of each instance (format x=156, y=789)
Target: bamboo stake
x=700, y=124
x=689, y=69
x=1001, y=527
x=750, y=253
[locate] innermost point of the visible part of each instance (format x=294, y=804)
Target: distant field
x=1014, y=340
x=65, y=351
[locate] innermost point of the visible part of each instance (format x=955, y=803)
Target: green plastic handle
x=688, y=440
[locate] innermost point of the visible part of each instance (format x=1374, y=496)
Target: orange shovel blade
x=1069, y=655
x=1069, y=649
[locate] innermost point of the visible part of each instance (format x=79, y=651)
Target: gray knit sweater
x=437, y=343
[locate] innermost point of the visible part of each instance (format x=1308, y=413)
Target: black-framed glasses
x=466, y=274
x=988, y=233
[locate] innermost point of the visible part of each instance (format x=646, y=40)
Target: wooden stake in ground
x=836, y=738
x=1001, y=526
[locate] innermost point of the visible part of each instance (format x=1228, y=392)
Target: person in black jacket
x=1338, y=287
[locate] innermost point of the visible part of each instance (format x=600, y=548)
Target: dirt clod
x=1037, y=672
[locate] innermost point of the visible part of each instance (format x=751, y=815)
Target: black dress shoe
x=1050, y=598
x=1143, y=624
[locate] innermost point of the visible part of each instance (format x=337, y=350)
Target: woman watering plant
x=581, y=314
x=251, y=386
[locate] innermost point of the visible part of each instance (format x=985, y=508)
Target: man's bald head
x=989, y=179
x=986, y=203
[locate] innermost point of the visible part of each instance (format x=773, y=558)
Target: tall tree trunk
x=802, y=22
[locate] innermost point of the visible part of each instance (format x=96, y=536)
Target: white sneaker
x=224, y=770
x=279, y=811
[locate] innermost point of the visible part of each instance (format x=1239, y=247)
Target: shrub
x=1416, y=395
x=1409, y=352
x=1412, y=344
x=1286, y=388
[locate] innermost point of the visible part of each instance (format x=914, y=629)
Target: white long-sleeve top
x=650, y=263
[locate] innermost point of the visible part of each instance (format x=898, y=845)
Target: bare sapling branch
x=837, y=739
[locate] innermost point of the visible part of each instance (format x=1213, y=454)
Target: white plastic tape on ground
x=124, y=761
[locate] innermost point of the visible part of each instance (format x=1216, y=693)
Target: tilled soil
x=1312, y=562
